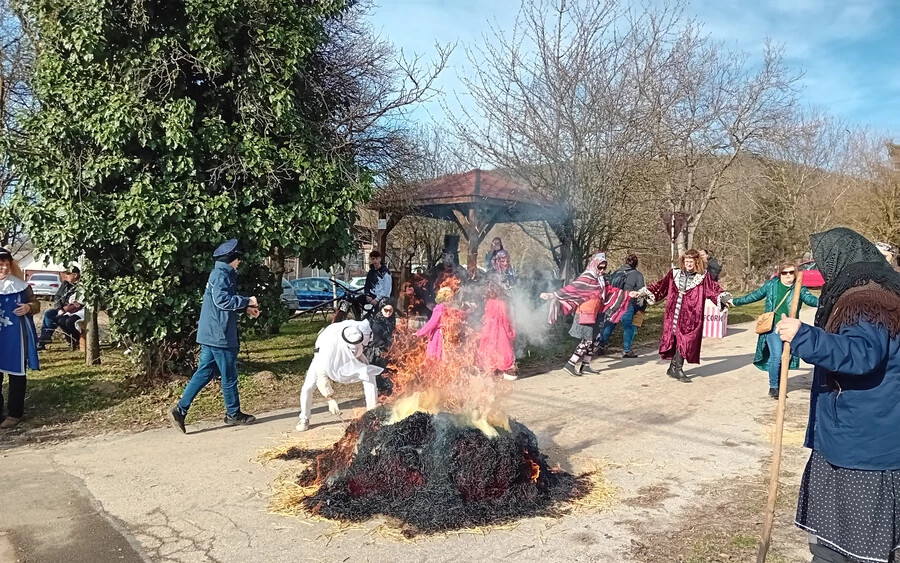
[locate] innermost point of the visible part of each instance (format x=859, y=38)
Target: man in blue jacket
x=217, y=335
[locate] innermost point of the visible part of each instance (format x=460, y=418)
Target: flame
x=452, y=384
x=535, y=471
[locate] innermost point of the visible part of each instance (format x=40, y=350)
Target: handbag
x=638, y=319
x=766, y=321
x=587, y=311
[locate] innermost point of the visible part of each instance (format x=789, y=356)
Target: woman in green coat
x=778, y=293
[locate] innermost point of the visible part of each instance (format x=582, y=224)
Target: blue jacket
x=221, y=304
x=856, y=425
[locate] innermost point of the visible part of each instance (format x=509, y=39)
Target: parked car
x=357, y=283
x=312, y=292
x=812, y=277
x=289, y=297
x=44, y=284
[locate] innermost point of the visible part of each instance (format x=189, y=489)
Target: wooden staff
x=779, y=430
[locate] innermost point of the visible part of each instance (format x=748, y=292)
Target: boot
x=586, y=367
x=571, y=369
x=675, y=370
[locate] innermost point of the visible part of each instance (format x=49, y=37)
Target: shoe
x=176, y=419
x=629, y=354
x=587, y=369
x=571, y=369
x=601, y=350
x=302, y=425
x=333, y=407
x=510, y=377
x=9, y=422
x=239, y=419
x=773, y=392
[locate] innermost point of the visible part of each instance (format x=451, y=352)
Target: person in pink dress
x=433, y=329
x=495, y=347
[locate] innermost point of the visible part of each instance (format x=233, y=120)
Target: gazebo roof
x=504, y=199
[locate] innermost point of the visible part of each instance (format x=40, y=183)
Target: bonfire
x=439, y=453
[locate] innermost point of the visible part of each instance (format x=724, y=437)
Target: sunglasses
x=789, y=273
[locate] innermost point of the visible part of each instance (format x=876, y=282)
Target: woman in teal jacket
x=778, y=293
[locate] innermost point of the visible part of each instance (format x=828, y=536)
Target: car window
x=319, y=285
x=44, y=277
x=285, y=284
x=300, y=285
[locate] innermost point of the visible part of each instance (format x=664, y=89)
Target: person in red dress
x=495, y=347
x=685, y=288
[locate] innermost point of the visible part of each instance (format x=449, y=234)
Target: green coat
x=769, y=290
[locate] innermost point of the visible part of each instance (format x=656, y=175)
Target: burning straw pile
x=441, y=456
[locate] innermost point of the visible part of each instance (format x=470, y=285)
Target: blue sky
x=846, y=48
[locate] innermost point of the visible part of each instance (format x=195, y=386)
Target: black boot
x=571, y=369
x=676, y=370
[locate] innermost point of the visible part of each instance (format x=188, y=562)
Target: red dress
x=495, y=349
x=688, y=332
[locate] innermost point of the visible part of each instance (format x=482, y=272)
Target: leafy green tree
x=165, y=127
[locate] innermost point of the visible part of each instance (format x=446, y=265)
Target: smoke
x=529, y=318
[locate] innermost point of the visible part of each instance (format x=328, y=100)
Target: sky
x=846, y=49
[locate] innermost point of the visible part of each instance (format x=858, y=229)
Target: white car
x=357, y=283
x=44, y=284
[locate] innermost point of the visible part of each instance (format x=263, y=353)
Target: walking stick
x=779, y=431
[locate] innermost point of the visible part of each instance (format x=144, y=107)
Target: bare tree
x=876, y=202
x=557, y=106
x=16, y=62
x=712, y=106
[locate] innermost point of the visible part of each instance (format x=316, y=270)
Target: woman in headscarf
x=339, y=355
x=501, y=270
x=687, y=288
x=778, y=293
x=18, y=336
x=588, y=296
x=850, y=493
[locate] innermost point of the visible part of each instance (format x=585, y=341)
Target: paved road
x=201, y=497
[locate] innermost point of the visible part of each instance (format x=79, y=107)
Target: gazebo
x=475, y=200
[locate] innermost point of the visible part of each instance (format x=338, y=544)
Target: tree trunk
x=92, y=349
x=277, y=269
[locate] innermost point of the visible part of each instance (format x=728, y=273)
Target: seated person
x=65, y=304
x=378, y=285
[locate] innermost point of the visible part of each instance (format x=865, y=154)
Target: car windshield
x=45, y=277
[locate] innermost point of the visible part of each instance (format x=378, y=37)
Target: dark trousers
x=824, y=554
x=68, y=324
x=16, y=395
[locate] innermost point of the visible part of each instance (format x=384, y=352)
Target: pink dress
x=495, y=350
x=432, y=330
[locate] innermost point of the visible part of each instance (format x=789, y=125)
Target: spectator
x=713, y=266
x=378, y=284
x=65, y=303
x=496, y=246
x=18, y=337
x=629, y=278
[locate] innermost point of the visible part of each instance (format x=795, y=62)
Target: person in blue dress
x=18, y=336
x=217, y=334
x=850, y=492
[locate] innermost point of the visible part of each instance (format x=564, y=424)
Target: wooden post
x=779, y=430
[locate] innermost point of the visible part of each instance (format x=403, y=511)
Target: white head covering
x=340, y=352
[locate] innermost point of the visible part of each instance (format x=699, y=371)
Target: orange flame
x=453, y=383
x=535, y=471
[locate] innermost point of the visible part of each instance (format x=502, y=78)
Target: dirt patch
x=651, y=496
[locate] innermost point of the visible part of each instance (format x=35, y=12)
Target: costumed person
x=501, y=271
x=18, y=336
x=686, y=289
x=850, y=491
x=412, y=303
x=217, y=335
x=495, y=347
x=339, y=356
x=383, y=326
x=434, y=328
x=496, y=246
x=589, y=296
x=778, y=293
x=627, y=278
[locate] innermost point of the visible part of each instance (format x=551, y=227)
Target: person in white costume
x=339, y=357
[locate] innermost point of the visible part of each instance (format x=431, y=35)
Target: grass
x=71, y=397
x=67, y=397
